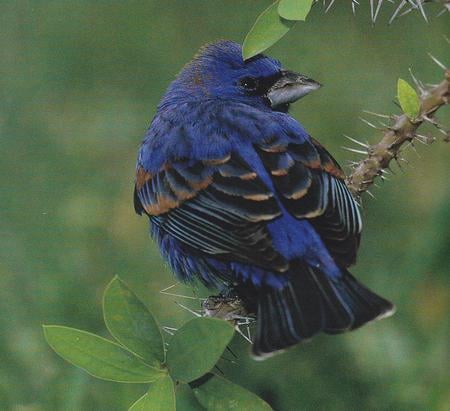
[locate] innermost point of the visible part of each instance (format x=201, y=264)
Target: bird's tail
x=312, y=302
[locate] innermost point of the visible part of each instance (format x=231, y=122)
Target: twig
x=402, y=131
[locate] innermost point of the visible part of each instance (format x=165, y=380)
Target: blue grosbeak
x=242, y=198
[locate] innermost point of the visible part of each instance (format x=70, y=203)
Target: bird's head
x=219, y=71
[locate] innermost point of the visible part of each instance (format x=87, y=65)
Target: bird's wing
x=217, y=206
x=311, y=186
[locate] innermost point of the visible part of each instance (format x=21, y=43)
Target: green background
x=79, y=83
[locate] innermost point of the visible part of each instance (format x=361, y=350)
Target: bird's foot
x=227, y=307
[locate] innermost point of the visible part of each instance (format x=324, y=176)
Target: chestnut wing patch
x=311, y=185
x=218, y=207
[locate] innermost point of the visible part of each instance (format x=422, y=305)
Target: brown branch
x=402, y=131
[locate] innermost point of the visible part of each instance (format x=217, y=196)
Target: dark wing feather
x=311, y=185
x=219, y=207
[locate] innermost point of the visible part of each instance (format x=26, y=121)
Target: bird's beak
x=290, y=87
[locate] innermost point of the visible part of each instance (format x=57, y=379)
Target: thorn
x=164, y=291
x=244, y=320
x=169, y=330
x=356, y=141
x=417, y=82
x=249, y=334
x=376, y=114
x=422, y=10
x=429, y=119
x=426, y=140
x=433, y=121
x=397, y=11
x=168, y=288
x=371, y=195
x=443, y=11
x=442, y=130
x=383, y=124
x=238, y=330
x=417, y=5
x=411, y=144
x=441, y=65
x=188, y=309
x=377, y=11
x=353, y=150
x=407, y=11
x=354, y=4
x=329, y=6
x=369, y=123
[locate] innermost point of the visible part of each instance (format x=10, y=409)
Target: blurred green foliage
x=79, y=83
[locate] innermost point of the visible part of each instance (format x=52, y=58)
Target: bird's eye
x=249, y=83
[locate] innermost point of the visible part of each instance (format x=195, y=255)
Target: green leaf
x=131, y=323
x=267, y=30
x=408, y=99
x=99, y=357
x=219, y=394
x=186, y=400
x=159, y=397
x=294, y=9
x=196, y=347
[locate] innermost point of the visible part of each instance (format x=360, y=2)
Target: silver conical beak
x=291, y=87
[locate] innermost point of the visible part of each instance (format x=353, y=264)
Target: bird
x=241, y=198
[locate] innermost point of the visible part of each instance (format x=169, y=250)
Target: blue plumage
x=242, y=198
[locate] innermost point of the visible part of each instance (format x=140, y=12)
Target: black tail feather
x=367, y=305
x=312, y=302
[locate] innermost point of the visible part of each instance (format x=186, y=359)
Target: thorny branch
x=403, y=130
x=401, y=7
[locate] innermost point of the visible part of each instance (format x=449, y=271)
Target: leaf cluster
x=180, y=377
